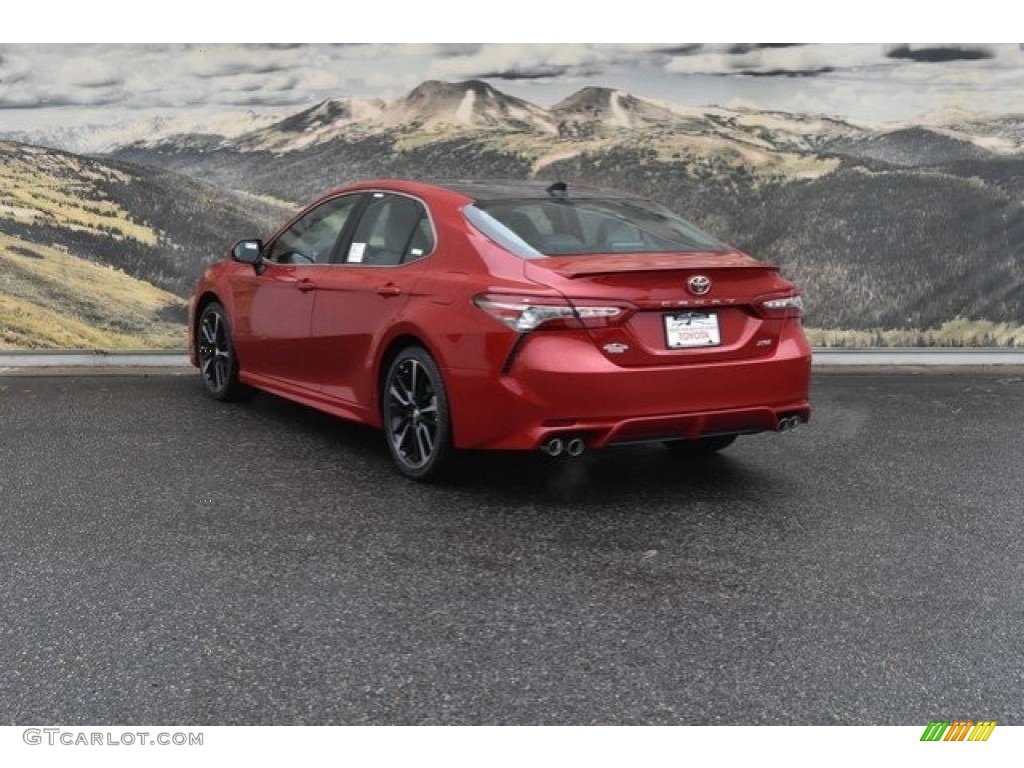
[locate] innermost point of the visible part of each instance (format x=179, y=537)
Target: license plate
x=693, y=329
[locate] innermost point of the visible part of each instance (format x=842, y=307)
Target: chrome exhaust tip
x=788, y=423
x=576, y=446
x=553, y=447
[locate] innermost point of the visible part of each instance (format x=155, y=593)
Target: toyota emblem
x=699, y=285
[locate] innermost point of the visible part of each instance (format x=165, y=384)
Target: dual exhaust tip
x=788, y=423
x=558, y=446
x=574, y=446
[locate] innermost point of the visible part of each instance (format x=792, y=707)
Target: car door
x=379, y=264
x=274, y=337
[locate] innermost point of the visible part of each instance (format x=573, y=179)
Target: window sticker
x=356, y=251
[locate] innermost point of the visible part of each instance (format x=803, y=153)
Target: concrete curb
x=92, y=359
x=915, y=357
x=144, y=361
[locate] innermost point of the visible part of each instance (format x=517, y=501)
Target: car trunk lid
x=687, y=307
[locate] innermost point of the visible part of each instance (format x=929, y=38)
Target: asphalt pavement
x=170, y=560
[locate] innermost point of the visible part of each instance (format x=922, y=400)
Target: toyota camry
x=505, y=315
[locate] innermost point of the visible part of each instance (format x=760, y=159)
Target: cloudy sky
x=43, y=85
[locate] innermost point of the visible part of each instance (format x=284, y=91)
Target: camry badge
x=615, y=348
x=699, y=285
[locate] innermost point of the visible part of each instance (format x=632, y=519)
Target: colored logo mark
x=958, y=730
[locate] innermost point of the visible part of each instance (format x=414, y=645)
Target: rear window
x=537, y=228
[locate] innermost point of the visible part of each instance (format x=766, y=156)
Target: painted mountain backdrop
x=898, y=234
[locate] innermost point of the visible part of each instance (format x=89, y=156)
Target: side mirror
x=248, y=251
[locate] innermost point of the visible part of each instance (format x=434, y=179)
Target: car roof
x=517, y=189
x=462, y=191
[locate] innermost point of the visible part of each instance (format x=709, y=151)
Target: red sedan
x=511, y=315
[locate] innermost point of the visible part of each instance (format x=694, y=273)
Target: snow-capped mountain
x=612, y=108
x=437, y=109
x=100, y=138
x=432, y=107
x=321, y=122
x=472, y=104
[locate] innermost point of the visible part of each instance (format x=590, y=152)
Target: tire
x=218, y=364
x=702, y=446
x=415, y=415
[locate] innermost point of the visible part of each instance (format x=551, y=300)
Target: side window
x=393, y=229
x=311, y=239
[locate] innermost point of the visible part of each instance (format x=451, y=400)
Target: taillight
x=785, y=306
x=528, y=313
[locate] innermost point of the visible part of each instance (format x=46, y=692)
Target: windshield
x=537, y=228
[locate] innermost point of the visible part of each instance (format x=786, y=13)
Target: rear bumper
x=687, y=426
x=561, y=385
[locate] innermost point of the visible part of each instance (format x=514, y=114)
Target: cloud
x=37, y=102
x=454, y=50
x=741, y=48
x=526, y=73
x=11, y=75
x=85, y=71
x=686, y=49
x=525, y=62
x=386, y=82
x=776, y=59
x=939, y=54
x=212, y=68
x=786, y=72
x=14, y=103
x=253, y=99
x=382, y=53
x=15, y=68
x=249, y=82
x=289, y=77
x=275, y=46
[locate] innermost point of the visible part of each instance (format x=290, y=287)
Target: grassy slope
x=96, y=254
x=959, y=332
x=50, y=299
x=40, y=186
x=49, y=296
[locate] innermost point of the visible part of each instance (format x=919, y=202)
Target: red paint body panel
x=562, y=385
x=321, y=335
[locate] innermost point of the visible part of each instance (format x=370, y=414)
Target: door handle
x=305, y=284
x=389, y=290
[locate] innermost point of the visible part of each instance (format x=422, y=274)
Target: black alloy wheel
x=415, y=415
x=218, y=365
